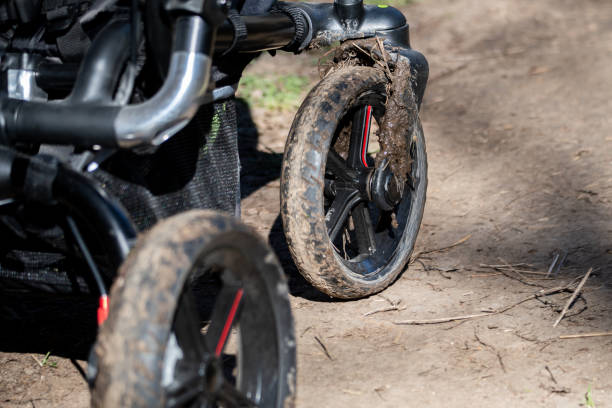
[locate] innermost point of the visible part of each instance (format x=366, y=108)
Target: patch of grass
x=275, y=92
x=46, y=361
x=589, y=398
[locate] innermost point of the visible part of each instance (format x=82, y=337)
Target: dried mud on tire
x=302, y=177
x=132, y=342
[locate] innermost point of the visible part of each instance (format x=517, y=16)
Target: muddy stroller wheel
x=351, y=214
x=199, y=316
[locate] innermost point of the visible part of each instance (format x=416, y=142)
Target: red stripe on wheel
x=366, y=136
x=102, y=309
x=228, y=322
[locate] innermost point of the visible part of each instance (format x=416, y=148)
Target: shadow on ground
x=531, y=166
x=257, y=168
x=41, y=322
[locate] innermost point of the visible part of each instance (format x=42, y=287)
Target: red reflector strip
x=102, y=309
x=228, y=322
x=366, y=136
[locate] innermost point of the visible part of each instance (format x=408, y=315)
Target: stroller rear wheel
x=351, y=216
x=199, y=316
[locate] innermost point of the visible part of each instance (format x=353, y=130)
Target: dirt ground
x=519, y=137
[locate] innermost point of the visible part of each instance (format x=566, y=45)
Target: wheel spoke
x=187, y=329
x=364, y=229
x=339, y=210
x=337, y=166
x=224, y=314
x=231, y=397
x=360, y=135
x=384, y=221
x=329, y=189
x=188, y=389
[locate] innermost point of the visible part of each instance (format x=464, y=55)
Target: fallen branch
x=571, y=299
x=583, y=335
x=484, y=314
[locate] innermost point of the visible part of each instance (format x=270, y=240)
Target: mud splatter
x=397, y=124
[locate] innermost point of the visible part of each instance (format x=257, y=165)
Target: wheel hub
x=386, y=190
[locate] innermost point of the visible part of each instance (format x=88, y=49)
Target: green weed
x=277, y=92
x=589, y=398
x=46, y=361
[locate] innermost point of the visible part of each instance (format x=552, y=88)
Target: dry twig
x=583, y=335
x=560, y=264
x=543, y=292
x=505, y=265
x=351, y=392
x=324, y=348
x=556, y=264
x=384, y=56
x=571, y=299
x=416, y=256
x=390, y=301
x=552, y=377
x=386, y=309
x=552, y=265
x=510, y=268
x=493, y=349
x=519, y=277
x=484, y=275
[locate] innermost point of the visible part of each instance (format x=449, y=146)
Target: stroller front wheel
x=351, y=214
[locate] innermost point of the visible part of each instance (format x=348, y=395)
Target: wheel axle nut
x=386, y=191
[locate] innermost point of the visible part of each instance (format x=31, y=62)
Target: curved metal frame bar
x=173, y=106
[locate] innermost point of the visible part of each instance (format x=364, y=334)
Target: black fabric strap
x=39, y=178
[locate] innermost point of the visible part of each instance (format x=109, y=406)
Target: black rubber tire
x=131, y=348
x=302, y=187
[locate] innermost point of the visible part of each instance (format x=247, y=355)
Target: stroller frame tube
x=154, y=121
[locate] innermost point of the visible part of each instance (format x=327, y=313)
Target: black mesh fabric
x=197, y=168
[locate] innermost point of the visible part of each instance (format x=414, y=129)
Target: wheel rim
x=366, y=210
x=234, y=362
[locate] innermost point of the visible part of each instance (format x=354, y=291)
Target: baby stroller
x=118, y=130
